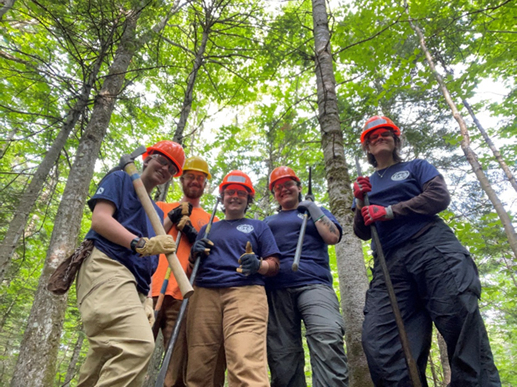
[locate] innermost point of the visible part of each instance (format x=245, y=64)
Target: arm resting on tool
x=326, y=228
x=106, y=225
x=434, y=199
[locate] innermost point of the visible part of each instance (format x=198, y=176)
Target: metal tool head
x=126, y=159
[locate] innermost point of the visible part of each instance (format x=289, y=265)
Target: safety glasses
x=191, y=177
x=287, y=185
x=164, y=161
x=232, y=192
x=375, y=136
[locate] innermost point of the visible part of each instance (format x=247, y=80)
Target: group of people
x=245, y=316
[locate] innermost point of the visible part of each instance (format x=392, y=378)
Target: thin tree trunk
x=29, y=197
x=72, y=366
x=465, y=142
x=493, y=148
x=37, y=359
x=7, y=140
x=444, y=357
x=8, y=4
x=352, y=273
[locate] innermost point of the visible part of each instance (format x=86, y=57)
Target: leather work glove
x=160, y=244
x=200, y=248
x=362, y=186
x=250, y=263
x=375, y=213
x=184, y=209
x=315, y=212
x=149, y=310
x=186, y=228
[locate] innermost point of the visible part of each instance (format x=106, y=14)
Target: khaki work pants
x=235, y=318
x=115, y=322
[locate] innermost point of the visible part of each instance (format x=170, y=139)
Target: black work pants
x=318, y=307
x=435, y=280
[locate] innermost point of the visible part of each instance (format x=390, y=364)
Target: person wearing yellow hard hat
x=186, y=216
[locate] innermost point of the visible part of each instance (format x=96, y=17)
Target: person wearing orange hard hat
x=434, y=277
x=229, y=306
x=186, y=216
x=305, y=295
x=114, y=280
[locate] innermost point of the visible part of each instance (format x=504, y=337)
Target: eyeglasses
x=374, y=137
x=287, y=185
x=191, y=176
x=231, y=192
x=164, y=161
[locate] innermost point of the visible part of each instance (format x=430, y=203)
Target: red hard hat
x=280, y=173
x=170, y=149
x=377, y=122
x=237, y=177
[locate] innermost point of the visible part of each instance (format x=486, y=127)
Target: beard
x=193, y=192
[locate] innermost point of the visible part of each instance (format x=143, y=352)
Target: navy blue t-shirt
x=314, y=262
x=401, y=182
x=118, y=188
x=230, y=238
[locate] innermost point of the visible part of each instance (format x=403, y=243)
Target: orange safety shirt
x=198, y=218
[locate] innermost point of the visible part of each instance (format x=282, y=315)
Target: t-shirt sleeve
x=111, y=189
x=424, y=171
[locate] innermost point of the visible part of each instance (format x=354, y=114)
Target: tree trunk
x=444, y=358
x=72, y=366
x=493, y=148
x=465, y=142
x=352, y=273
x=8, y=4
x=37, y=359
x=29, y=197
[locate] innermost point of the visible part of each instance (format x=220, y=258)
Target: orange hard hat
x=237, y=177
x=281, y=173
x=170, y=149
x=377, y=122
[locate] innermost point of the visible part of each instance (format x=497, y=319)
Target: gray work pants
x=435, y=280
x=318, y=307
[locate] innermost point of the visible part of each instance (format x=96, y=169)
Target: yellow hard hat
x=196, y=163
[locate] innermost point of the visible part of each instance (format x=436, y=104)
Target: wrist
x=264, y=267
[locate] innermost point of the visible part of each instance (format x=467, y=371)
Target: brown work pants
x=176, y=372
x=115, y=322
x=236, y=319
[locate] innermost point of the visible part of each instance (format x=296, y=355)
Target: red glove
x=362, y=186
x=375, y=213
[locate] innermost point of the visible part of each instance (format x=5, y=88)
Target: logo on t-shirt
x=245, y=228
x=99, y=191
x=300, y=215
x=398, y=176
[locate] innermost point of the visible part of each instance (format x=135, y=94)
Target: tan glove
x=149, y=310
x=160, y=244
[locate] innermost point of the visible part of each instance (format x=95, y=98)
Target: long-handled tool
x=174, y=337
x=410, y=362
x=127, y=163
x=298, y=254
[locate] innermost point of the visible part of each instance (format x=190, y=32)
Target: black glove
x=176, y=214
x=250, y=263
x=190, y=232
x=200, y=248
x=315, y=212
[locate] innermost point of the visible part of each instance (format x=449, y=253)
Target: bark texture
x=37, y=359
x=352, y=273
x=72, y=366
x=465, y=142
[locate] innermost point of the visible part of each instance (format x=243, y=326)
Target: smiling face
x=193, y=184
x=287, y=193
x=235, y=201
x=158, y=169
x=380, y=141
